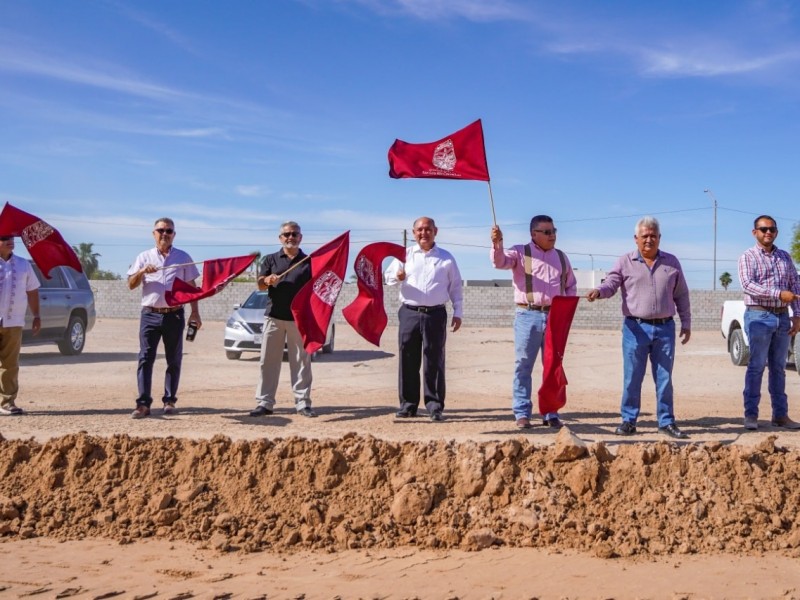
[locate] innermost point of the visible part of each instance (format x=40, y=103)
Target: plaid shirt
x=764, y=274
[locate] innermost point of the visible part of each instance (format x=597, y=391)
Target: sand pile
x=361, y=492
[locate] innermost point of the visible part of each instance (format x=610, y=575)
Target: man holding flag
x=156, y=270
x=283, y=274
x=540, y=272
x=428, y=280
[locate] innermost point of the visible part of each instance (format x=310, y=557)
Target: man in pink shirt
x=653, y=287
x=539, y=273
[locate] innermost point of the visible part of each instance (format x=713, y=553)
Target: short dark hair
x=166, y=220
x=755, y=223
x=535, y=221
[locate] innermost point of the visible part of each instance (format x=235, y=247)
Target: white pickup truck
x=732, y=325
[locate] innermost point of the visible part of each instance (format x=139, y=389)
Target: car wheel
x=740, y=353
x=328, y=348
x=74, y=337
x=233, y=355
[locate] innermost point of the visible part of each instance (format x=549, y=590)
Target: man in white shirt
x=157, y=268
x=19, y=288
x=428, y=280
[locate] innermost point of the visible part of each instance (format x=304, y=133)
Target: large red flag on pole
x=43, y=241
x=217, y=273
x=312, y=306
x=461, y=155
x=366, y=313
x=553, y=393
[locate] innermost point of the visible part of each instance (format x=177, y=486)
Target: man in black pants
x=428, y=280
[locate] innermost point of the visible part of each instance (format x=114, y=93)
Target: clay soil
x=212, y=503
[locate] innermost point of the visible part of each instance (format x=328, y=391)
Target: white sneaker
x=10, y=409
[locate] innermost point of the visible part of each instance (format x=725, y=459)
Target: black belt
x=652, y=321
x=534, y=307
x=161, y=311
x=775, y=310
x=424, y=309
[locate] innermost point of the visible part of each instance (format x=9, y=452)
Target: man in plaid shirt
x=771, y=284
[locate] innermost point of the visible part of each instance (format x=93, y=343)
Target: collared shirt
x=16, y=280
x=281, y=295
x=650, y=293
x=156, y=285
x=545, y=273
x=432, y=278
x=764, y=274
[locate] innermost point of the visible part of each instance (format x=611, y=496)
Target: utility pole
x=714, y=199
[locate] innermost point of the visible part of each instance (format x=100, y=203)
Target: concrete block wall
x=484, y=306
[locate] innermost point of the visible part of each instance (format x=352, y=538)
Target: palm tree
x=725, y=280
x=87, y=258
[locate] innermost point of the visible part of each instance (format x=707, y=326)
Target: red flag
x=553, y=393
x=366, y=313
x=217, y=273
x=43, y=241
x=312, y=307
x=461, y=155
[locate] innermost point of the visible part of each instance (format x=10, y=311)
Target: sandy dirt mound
x=361, y=492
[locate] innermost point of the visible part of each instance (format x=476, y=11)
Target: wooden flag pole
x=294, y=266
x=491, y=202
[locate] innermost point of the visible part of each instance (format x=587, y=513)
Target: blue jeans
x=768, y=335
x=529, y=328
x=641, y=341
x=154, y=327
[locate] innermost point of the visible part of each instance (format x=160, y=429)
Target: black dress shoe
x=553, y=422
x=672, y=431
x=260, y=411
x=307, y=412
x=406, y=413
x=436, y=416
x=627, y=428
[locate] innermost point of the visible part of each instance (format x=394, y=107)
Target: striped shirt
x=765, y=274
x=546, y=273
x=650, y=293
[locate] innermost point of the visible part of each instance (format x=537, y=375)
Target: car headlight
x=234, y=323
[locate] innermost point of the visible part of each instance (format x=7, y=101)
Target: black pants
x=154, y=327
x=422, y=337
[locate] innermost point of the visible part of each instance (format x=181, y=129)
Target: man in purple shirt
x=539, y=273
x=653, y=286
x=770, y=283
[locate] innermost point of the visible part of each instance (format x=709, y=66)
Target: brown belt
x=776, y=310
x=534, y=307
x=161, y=311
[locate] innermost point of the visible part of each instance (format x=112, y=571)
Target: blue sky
x=232, y=117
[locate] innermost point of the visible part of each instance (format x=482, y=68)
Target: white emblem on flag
x=444, y=156
x=327, y=287
x=35, y=233
x=365, y=271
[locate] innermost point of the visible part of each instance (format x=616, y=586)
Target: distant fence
x=484, y=306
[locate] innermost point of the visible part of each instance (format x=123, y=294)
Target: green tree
x=106, y=275
x=87, y=258
x=795, y=250
x=725, y=280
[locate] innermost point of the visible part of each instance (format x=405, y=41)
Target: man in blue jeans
x=653, y=287
x=539, y=272
x=770, y=283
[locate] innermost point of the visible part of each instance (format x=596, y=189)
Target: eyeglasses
x=167, y=230
x=552, y=231
x=767, y=229
x=5, y=238
x=290, y=234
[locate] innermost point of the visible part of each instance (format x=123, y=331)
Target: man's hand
x=685, y=335
x=401, y=274
x=497, y=236
x=456, y=323
x=195, y=316
x=593, y=295
x=795, y=326
x=36, y=326
x=787, y=296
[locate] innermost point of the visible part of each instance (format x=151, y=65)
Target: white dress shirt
x=432, y=278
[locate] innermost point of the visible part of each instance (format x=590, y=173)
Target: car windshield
x=257, y=300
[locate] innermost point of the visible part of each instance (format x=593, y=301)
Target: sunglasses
x=767, y=229
x=5, y=238
x=552, y=231
x=290, y=234
x=167, y=230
